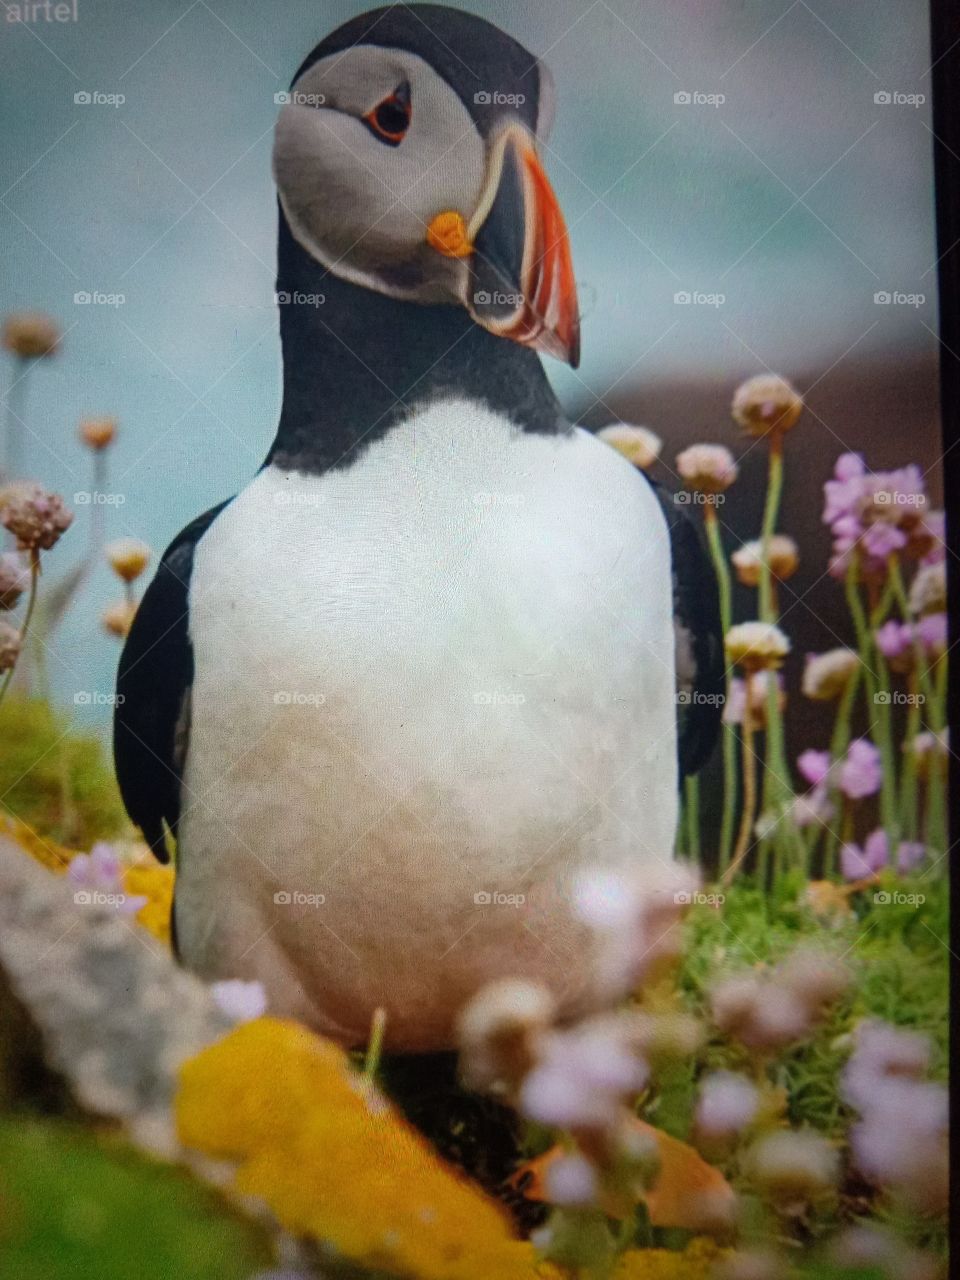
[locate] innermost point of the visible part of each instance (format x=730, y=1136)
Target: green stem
x=748, y=815
x=903, y=604
x=27, y=617
x=770, y=512
x=909, y=808
x=729, y=737
x=378, y=1027
x=691, y=798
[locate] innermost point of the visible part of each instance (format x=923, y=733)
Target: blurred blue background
x=799, y=197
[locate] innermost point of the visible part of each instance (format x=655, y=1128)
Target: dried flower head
x=736, y=704
x=766, y=403
x=793, y=1166
x=928, y=591
x=31, y=335
x=37, y=519
x=783, y=554
x=826, y=675
x=639, y=445
x=707, y=468
x=98, y=433
x=14, y=579
x=756, y=646
x=118, y=618
x=127, y=557
x=9, y=646
x=497, y=1032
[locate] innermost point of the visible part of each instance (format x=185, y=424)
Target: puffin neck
x=357, y=363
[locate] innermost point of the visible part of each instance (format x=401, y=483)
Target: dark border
x=945, y=56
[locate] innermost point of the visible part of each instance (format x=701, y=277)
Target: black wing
x=151, y=715
x=700, y=660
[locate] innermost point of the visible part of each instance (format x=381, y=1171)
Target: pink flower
x=728, y=1103
x=842, y=495
x=813, y=808
x=857, y=862
x=894, y=639
x=881, y=540
x=97, y=877
x=814, y=766
x=861, y=772
x=932, y=631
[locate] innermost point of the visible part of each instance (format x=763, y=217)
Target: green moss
x=82, y=1207
x=57, y=781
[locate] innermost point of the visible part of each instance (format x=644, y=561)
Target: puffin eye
x=390, y=119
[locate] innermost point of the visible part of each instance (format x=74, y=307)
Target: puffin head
x=406, y=161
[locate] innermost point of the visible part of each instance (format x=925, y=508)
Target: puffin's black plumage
x=151, y=719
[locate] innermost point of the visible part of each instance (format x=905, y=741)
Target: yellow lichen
x=334, y=1160
x=155, y=883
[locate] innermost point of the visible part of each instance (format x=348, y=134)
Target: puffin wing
x=151, y=722
x=701, y=674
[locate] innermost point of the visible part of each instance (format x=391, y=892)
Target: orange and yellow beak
x=520, y=281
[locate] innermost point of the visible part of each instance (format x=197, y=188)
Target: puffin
x=447, y=653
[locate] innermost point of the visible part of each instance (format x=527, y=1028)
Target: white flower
x=766, y=403
x=783, y=555
x=793, y=1165
x=707, y=468
x=639, y=445
x=756, y=646
x=497, y=1032
x=241, y=1001
x=826, y=675
x=928, y=591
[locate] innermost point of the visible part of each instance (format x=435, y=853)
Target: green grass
x=39, y=766
x=76, y=1206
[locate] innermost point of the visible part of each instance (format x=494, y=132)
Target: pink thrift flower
x=240, y=1001
x=728, y=1103
x=814, y=766
x=857, y=863
x=932, y=630
x=861, y=772
x=881, y=540
x=894, y=639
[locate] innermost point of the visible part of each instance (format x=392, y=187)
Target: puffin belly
x=430, y=690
